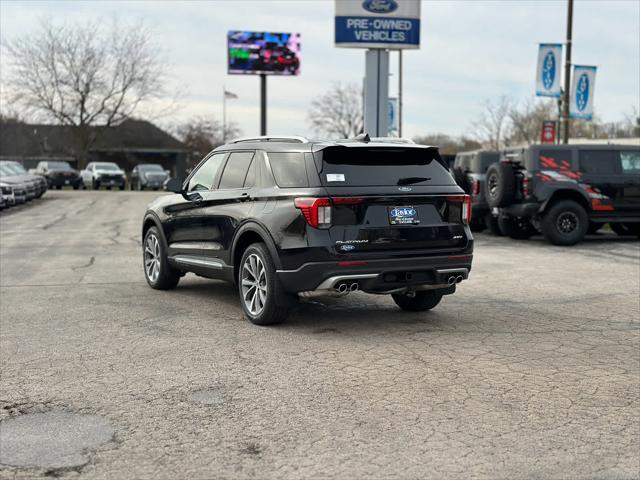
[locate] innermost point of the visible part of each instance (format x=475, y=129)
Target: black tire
x=58, y=187
x=131, y=186
x=276, y=306
x=593, y=228
x=108, y=187
x=422, y=301
x=461, y=179
x=565, y=223
x=492, y=224
x=76, y=186
x=516, y=228
x=95, y=184
x=140, y=186
x=168, y=277
x=121, y=187
x=500, y=185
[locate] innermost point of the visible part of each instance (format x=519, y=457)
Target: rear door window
x=236, y=170
x=382, y=166
x=599, y=162
x=289, y=169
x=630, y=160
x=205, y=175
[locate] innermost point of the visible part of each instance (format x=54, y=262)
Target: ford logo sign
x=380, y=6
x=582, y=92
x=549, y=70
x=403, y=212
x=347, y=248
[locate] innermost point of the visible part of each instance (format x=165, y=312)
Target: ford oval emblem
x=403, y=212
x=380, y=6
x=549, y=70
x=347, y=248
x=404, y=189
x=582, y=92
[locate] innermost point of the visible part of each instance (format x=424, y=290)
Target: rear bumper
x=61, y=181
x=377, y=275
x=521, y=209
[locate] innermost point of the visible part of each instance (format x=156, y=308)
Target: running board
x=197, y=261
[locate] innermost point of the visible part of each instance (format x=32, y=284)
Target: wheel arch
x=247, y=234
x=151, y=220
x=566, y=194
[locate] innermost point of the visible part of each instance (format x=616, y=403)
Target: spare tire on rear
x=500, y=185
x=461, y=179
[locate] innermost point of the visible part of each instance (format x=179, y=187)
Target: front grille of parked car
x=5, y=190
x=19, y=192
x=155, y=177
x=110, y=177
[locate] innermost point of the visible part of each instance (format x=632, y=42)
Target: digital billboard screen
x=263, y=53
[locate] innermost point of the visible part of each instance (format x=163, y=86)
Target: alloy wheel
x=567, y=223
x=152, y=258
x=254, y=284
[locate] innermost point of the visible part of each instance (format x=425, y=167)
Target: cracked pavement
x=531, y=370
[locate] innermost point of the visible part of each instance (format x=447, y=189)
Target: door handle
x=244, y=197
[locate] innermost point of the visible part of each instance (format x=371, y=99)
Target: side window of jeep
x=599, y=162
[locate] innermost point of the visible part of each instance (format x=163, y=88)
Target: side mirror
x=175, y=185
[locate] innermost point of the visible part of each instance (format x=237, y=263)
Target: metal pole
x=567, y=72
x=224, y=115
x=263, y=104
x=376, y=92
x=400, y=93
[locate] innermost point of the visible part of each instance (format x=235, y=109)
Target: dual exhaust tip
x=345, y=287
x=453, y=279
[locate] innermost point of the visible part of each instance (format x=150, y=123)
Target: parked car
x=565, y=191
x=14, y=173
x=148, y=175
x=287, y=217
x=59, y=174
x=103, y=174
x=469, y=171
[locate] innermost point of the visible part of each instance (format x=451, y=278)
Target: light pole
x=567, y=74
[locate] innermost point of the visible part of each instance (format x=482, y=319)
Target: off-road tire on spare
x=516, y=228
x=422, y=301
x=278, y=302
x=565, y=223
x=461, y=179
x=500, y=184
x=492, y=224
x=169, y=276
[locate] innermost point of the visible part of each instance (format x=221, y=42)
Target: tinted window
x=382, y=166
x=484, y=160
x=599, y=162
x=289, y=169
x=151, y=167
x=555, y=158
x=630, y=160
x=107, y=166
x=236, y=170
x=206, y=174
x=59, y=166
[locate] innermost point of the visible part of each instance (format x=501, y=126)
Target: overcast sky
x=470, y=50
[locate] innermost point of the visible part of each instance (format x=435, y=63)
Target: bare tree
x=338, y=112
x=448, y=145
x=202, y=135
x=492, y=124
x=84, y=75
x=526, y=120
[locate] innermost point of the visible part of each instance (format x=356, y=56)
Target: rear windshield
x=58, y=166
x=487, y=159
x=382, y=166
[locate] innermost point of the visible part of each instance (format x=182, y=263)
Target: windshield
x=151, y=168
x=107, y=166
x=5, y=171
x=15, y=168
x=58, y=166
x=382, y=166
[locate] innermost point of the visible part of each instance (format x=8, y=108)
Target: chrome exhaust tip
x=459, y=278
x=342, y=288
x=353, y=287
x=451, y=280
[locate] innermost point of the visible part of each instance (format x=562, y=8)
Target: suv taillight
x=465, y=210
x=525, y=186
x=317, y=211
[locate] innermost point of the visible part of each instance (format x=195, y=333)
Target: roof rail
x=272, y=138
x=365, y=138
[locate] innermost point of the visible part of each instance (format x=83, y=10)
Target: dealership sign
x=582, y=87
x=548, y=133
x=390, y=24
x=548, y=71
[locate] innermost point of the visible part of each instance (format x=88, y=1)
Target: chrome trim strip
x=198, y=262
x=187, y=245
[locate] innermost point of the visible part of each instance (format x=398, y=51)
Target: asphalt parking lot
x=531, y=370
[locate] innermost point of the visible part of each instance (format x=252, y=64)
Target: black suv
x=566, y=191
x=470, y=171
x=284, y=217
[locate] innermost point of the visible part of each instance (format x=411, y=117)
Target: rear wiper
x=410, y=180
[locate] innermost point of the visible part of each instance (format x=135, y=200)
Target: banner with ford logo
x=393, y=24
x=582, y=87
x=549, y=70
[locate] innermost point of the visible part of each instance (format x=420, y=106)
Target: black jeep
x=284, y=217
x=566, y=191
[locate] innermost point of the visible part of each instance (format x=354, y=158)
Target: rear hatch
x=391, y=198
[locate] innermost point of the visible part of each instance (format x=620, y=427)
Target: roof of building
x=29, y=140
